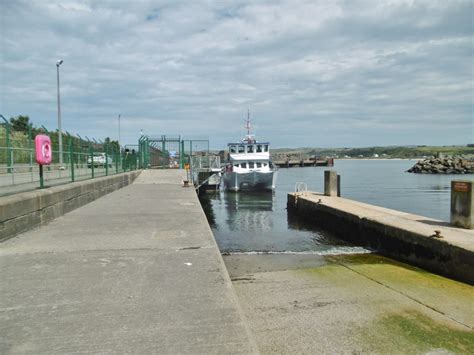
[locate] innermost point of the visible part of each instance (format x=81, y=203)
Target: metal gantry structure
x=170, y=151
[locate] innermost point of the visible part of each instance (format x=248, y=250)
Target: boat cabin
x=251, y=165
x=249, y=156
x=248, y=148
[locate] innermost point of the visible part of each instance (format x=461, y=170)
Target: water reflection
x=206, y=205
x=262, y=201
x=319, y=236
x=249, y=211
x=257, y=222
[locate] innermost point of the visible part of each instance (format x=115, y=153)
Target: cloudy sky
x=315, y=73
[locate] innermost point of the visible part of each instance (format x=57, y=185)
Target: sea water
x=259, y=223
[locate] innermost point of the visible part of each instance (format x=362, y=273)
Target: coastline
x=378, y=158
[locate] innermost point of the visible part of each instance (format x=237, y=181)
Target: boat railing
x=208, y=162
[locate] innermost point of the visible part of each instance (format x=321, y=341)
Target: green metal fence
x=170, y=151
x=160, y=152
x=81, y=159
x=167, y=152
x=130, y=158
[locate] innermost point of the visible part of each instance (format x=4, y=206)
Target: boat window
x=243, y=165
x=259, y=165
x=265, y=148
x=264, y=164
x=236, y=165
x=241, y=149
x=251, y=165
x=250, y=149
x=259, y=148
x=232, y=149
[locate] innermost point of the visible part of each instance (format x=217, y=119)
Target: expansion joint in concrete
x=407, y=296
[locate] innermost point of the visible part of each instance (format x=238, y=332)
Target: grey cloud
x=312, y=72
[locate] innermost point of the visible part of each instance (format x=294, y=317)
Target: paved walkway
x=136, y=271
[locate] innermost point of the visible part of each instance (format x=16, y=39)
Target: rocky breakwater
x=446, y=165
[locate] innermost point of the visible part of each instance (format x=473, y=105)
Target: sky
x=314, y=73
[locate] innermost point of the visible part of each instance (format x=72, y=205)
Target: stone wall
x=24, y=211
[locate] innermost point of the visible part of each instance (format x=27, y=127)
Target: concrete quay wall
x=24, y=211
x=136, y=271
x=400, y=235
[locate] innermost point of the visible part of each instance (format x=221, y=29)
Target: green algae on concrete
x=451, y=298
x=411, y=332
x=411, y=310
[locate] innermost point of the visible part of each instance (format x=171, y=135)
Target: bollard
x=339, y=186
x=330, y=183
x=462, y=209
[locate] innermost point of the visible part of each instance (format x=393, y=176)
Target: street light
x=60, y=138
x=119, y=129
x=119, y=139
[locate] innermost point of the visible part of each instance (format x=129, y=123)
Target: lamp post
x=60, y=138
x=9, y=149
x=119, y=129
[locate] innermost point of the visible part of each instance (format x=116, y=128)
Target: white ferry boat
x=249, y=167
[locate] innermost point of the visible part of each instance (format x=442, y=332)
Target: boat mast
x=247, y=125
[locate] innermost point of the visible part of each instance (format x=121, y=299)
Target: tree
x=113, y=145
x=20, y=123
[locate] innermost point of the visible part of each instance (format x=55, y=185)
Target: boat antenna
x=247, y=124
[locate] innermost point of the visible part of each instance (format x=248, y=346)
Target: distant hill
x=405, y=152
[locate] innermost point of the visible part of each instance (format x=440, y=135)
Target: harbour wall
x=24, y=211
x=403, y=236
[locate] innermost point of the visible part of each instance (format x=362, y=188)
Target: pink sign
x=44, y=153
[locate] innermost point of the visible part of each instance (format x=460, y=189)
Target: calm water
x=259, y=222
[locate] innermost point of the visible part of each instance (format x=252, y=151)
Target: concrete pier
x=428, y=243
x=291, y=163
x=27, y=210
x=135, y=271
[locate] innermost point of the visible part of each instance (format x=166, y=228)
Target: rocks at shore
x=446, y=165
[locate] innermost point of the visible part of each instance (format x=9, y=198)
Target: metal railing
x=173, y=152
x=82, y=159
x=164, y=152
x=208, y=162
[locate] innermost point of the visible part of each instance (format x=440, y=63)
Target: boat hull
x=250, y=181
